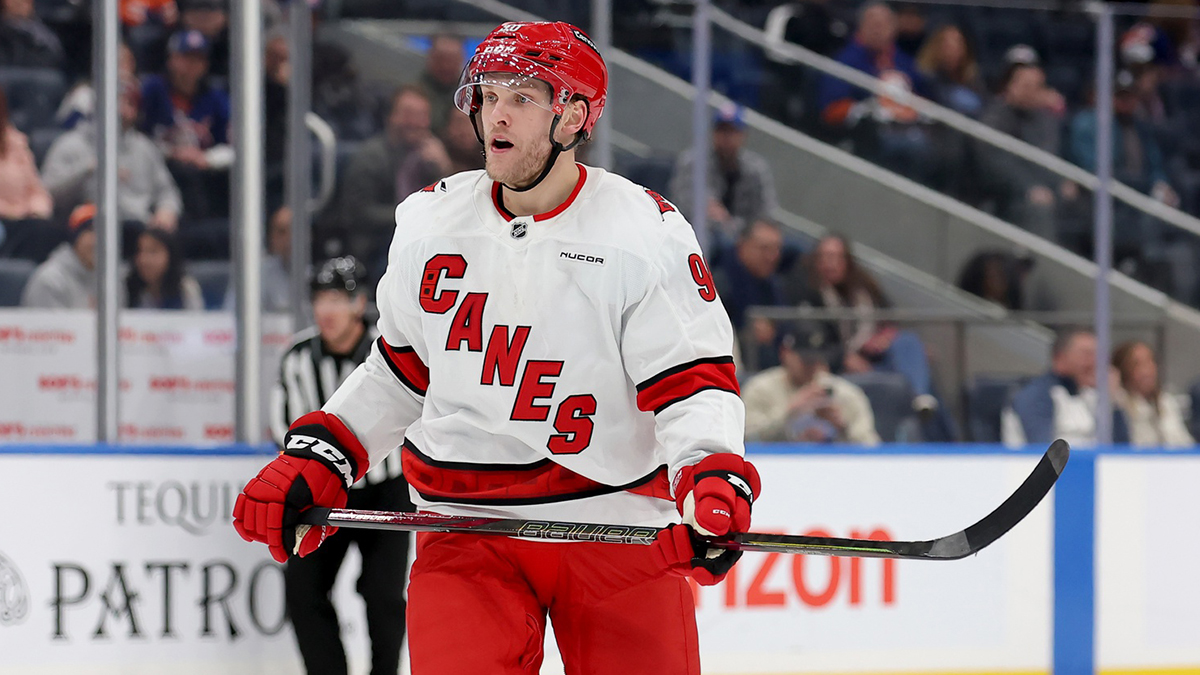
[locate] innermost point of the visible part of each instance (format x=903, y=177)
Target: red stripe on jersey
x=406, y=366
x=498, y=199
x=511, y=484
x=678, y=383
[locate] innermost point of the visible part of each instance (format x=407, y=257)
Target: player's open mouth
x=500, y=145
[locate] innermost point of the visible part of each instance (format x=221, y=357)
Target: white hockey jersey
x=564, y=365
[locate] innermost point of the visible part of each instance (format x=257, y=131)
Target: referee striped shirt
x=308, y=376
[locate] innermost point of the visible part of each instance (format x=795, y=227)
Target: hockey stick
x=951, y=547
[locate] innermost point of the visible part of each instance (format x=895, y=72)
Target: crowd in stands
x=855, y=380
x=1028, y=74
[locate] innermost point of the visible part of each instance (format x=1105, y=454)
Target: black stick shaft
x=950, y=547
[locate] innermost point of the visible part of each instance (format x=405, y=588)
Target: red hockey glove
x=715, y=495
x=321, y=459
x=681, y=551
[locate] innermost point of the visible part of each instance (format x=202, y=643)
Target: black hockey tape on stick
x=950, y=547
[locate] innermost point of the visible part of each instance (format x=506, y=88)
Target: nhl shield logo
x=519, y=229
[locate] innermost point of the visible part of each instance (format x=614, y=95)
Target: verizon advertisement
x=176, y=369
x=781, y=614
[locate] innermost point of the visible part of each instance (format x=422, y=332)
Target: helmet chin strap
x=556, y=149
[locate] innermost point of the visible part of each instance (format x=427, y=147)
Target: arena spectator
x=1137, y=157
x=387, y=168
x=67, y=280
x=276, y=266
x=80, y=102
x=146, y=192
x=911, y=27
x=141, y=12
x=786, y=91
x=813, y=25
x=800, y=400
x=1140, y=242
x=997, y=276
x=836, y=280
x=157, y=278
x=1170, y=42
x=458, y=135
x=443, y=66
x=881, y=129
x=338, y=96
x=277, y=73
x=25, y=205
x=1062, y=402
x=189, y=119
x=1155, y=417
x=25, y=41
x=952, y=75
x=211, y=18
x=750, y=278
x=741, y=186
x=951, y=71
x=1025, y=193
x=1048, y=98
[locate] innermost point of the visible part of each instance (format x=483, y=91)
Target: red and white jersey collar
x=498, y=199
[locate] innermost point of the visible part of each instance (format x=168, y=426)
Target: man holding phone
x=801, y=401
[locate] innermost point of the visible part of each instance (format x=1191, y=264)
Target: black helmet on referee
x=345, y=274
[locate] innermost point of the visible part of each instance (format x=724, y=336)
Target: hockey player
x=312, y=368
x=551, y=346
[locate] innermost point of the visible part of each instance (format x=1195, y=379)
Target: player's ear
x=574, y=117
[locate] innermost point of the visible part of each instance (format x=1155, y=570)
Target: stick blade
x=1014, y=509
x=950, y=547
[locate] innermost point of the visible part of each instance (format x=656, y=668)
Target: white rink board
x=120, y=522
x=1147, y=548
x=990, y=612
x=177, y=375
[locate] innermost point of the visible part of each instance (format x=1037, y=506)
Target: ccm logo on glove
x=321, y=459
x=335, y=458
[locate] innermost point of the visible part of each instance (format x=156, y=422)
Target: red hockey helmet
x=556, y=53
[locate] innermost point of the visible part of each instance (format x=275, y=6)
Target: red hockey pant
x=477, y=605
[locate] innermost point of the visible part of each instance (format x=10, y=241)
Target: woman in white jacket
x=1155, y=417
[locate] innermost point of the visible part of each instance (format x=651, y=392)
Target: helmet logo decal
x=498, y=49
x=584, y=39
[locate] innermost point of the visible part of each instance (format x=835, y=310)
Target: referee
x=317, y=362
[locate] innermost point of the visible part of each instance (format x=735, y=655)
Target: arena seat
x=40, y=141
x=213, y=277
x=14, y=273
x=34, y=95
x=986, y=397
x=654, y=172
x=891, y=401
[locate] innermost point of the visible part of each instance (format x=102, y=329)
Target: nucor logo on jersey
x=581, y=257
x=320, y=447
